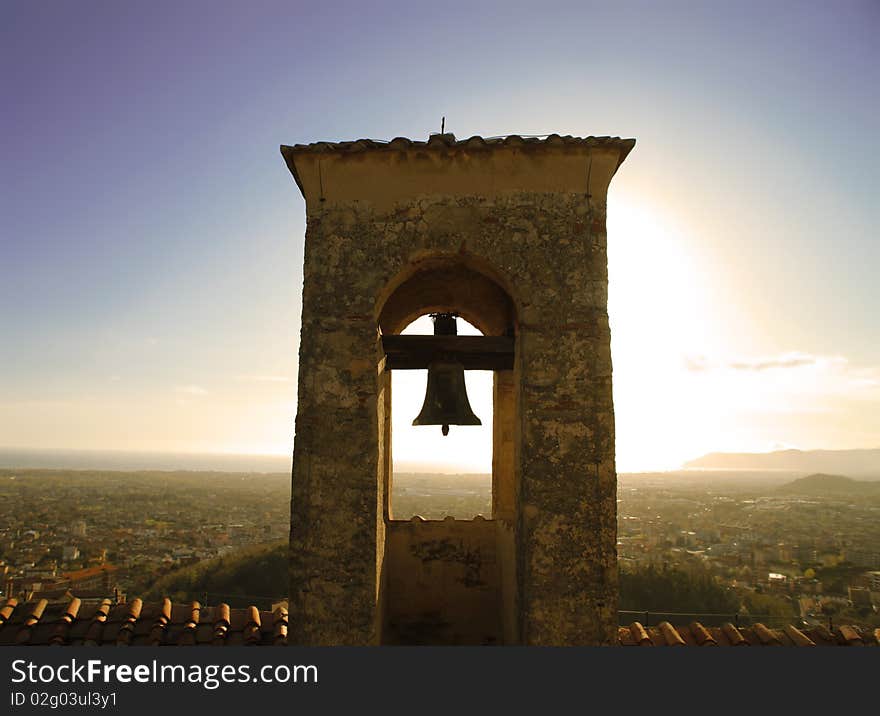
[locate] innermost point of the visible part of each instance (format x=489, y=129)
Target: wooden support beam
x=473, y=352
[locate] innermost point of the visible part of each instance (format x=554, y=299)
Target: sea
x=125, y=460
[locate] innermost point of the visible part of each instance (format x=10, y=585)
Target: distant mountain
x=862, y=463
x=821, y=484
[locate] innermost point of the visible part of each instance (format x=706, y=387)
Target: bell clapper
x=445, y=430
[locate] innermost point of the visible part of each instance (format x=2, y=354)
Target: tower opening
x=436, y=476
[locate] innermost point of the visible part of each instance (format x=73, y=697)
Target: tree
x=668, y=589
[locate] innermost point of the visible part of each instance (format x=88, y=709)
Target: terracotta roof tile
x=252, y=635
x=160, y=626
x=7, y=609
x=820, y=634
x=280, y=621
x=670, y=634
x=639, y=635
x=188, y=633
x=164, y=623
x=734, y=636
x=59, y=637
x=32, y=617
x=126, y=629
x=797, y=637
x=99, y=620
x=702, y=635
x=849, y=635
x=221, y=624
x=766, y=636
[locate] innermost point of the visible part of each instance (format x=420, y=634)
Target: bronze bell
x=446, y=400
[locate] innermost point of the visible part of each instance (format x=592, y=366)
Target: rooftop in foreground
x=164, y=623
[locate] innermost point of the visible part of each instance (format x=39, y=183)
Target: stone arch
x=447, y=283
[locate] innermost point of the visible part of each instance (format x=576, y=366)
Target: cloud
x=191, y=390
x=789, y=360
x=702, y=364
x=792, y=382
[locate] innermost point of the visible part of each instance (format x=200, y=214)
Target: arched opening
x=468, y=287
x=435, y=476
x=449, y=564
x=458, y=284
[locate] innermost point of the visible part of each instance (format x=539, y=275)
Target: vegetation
x=255, y=575
x=822, y=484
x=835, y=579
x=772, y=605
x=665, y=588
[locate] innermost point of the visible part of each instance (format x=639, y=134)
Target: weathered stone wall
x=546, y=249
x=444, y=583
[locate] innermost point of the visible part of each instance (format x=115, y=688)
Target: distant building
x=91, y=579
x=860, y=597
x=69, y=553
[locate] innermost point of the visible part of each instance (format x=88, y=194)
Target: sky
x=151, y=237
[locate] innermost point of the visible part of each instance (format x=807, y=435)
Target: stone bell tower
x=510, y=235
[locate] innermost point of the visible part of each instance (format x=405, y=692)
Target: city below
x=718, y=545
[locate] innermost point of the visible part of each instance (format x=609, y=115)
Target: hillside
x=822, y=484
x=863, y=463
x=256, y=575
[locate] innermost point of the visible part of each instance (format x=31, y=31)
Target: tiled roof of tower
x=448, y=141
x=166, y=624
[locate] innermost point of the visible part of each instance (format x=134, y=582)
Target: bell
x=446, y=400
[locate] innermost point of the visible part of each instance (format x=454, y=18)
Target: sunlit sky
x=152, y=238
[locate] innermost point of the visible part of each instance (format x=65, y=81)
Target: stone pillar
x=337, y=497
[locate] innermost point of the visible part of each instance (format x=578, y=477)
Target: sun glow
x=660, y=310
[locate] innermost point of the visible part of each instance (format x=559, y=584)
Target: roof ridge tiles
x=188, y=635
x=31, y=618
x=252, y=626
x=7, y=609
x=640, y=634
x=65, y=621
x=160, y=626
x=448, y=140
x=99, y=620
x=797, y=636
x=123, y=636
x=221, y=623
x=733, y=634
x=163, y=623
x=279, y=624
x=670, y=634
x=766, y=635
x=702, y=635
x=849, y=635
